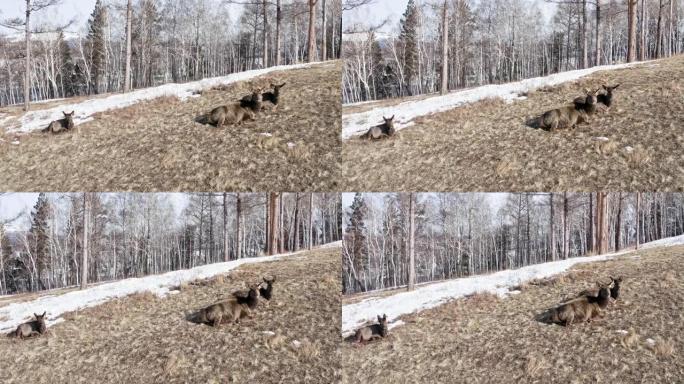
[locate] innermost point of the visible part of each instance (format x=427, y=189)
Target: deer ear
x=615, y=87
x=44, y=313
x=392, y=118
x=282, y=85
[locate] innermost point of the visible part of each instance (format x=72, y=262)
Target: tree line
x=79, y=238
x=143, y=43
x=396, y=240
x=500, y=41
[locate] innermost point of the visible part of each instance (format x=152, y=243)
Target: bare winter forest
x=394, y=240
x=143, y=338
x=485, y=338
x=69, y=240
x=129, y=44
x=494, y=42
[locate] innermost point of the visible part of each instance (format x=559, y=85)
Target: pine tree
x=357, y=238
x=67, y=69
x=408, y=38
x=95, y=42
x=39, y=237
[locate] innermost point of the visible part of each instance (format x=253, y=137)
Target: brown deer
x=61, y=125
x=607, y=98
x=271, y=98
x=253, y=101
x=372, y=332
x=579, y=310
x=32, y=328
x=381, y=131
x=227, y=114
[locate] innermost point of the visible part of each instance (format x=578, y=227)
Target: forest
x=397, y=240
x=500, y=41
x=129, y=44
x=72, y=239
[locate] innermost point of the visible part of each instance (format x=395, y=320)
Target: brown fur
x=587, y=103
x=253, y=101
x=60, y=125
x=579, y=310
x=36, y=327
x=227, y=311
x=249, y=297
x=267, y=291
x=381, y=131
x=229, y=114
x=271, y=98
x=372, y=332
x=607, y=97
x=565, y=117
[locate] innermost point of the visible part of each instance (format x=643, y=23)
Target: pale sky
x=379, y=10
x=12, y=204
x=79, y=10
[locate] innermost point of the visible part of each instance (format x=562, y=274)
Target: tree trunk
x=265, y=53
x=592, y=240
x=445, y=50
x=632, y=27
x=226, y=250
x=598, y=33
x=296, y=223
x=238, y=227
x=273, y=223
x=566, y=227
x=602, y=222
x=585, y=48
x=311, y=46
x=27, y=75
x=279, y=18
x=281, y=232
x=86, y=226
x=310, y=220
x=642, y=41
x=638, y=226
x=659, y=34
x=127, y=72
x=552, y=234
x=324, y=41
x=618, y=221
x=411, y=255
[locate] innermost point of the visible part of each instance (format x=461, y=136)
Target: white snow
x=14, y=314
x=650, y=342
x=39, y=119
x=433, y=295
x=358, y=123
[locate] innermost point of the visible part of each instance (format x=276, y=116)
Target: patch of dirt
x=158, y=146
x=486, y=340
x=146, y=339
x=486, y=146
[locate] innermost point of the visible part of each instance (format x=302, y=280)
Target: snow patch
x=601, y=138
x=290, y=145
x=296, y=343
x=650, y=342
x=397, y=323
x=357, y=123
x=621, y=331
x=268, y=333
x=433, y=295
x=161, y=285
x=34, y=120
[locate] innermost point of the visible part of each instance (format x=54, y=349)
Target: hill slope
x=485, y=339
x=144, y=338
x=486, y=146
x=156, y=145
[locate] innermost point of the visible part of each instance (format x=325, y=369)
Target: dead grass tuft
x=307, y=350
x=535, y=365
x=638, y=157
x=483, y=299
x=143, y=297
x=630, y=340
x=663, y=348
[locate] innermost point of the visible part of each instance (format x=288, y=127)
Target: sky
x=392, y=10
x=78, y=10
x=13, y=204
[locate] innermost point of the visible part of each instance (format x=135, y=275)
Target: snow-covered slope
x=436, y=294
x=39, y=119
x=55, y=305
x=357, y=123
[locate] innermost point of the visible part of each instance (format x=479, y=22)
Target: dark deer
x=381, y=131
x=60, y=125
x=36, y=327
x=607, y=98
x=372, y=332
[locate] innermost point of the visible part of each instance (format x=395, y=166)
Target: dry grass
x=157, y=145
x=487, y=147
x=147, y=340
x=639, y=341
